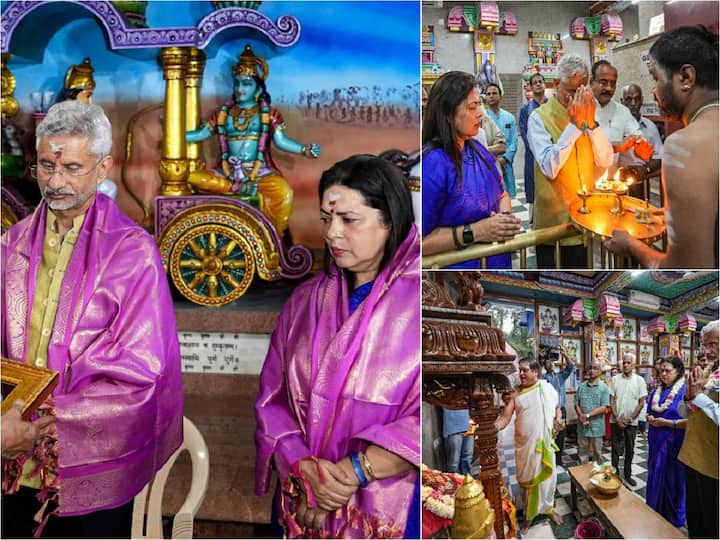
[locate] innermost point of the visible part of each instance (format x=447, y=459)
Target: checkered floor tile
x=521, y=209
x=543, y=527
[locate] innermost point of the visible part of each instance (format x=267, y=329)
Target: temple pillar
x=465, y=366
x=193, y=79
x=484, y=413
x=173, y=163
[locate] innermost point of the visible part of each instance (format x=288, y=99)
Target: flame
x=617, y=176
x=630, y=180
x=599, y=181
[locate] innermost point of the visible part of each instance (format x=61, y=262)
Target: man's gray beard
x=76, y=201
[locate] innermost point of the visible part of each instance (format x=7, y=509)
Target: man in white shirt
x=616, y=121
x=632, y=98
x=684, y=65
x=490, y=136
x=568, y=147
x=628, y=393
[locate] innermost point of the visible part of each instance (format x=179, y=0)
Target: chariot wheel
x=212, y=264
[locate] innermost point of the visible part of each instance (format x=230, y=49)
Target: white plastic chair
x=149, y=516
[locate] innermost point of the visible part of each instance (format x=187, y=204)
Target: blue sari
x=665, y=491
x=448, y=202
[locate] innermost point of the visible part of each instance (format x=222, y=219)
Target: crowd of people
x=681, y=410
x=573, y=138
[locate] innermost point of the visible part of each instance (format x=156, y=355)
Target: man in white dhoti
x=536, y=406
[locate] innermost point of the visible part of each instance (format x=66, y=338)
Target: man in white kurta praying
x=536, y=406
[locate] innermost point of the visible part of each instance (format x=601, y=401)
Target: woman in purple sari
x=665, y=491
x=338, y=411
x=464, y=200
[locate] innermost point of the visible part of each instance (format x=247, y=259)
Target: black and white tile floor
x=543, y=527
x=521, y=209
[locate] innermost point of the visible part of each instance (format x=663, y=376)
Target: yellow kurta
x=553, y=196
x=56, y=255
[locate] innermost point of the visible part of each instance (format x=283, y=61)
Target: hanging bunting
x=508, y=24
x=590, y=306
x=575, y=315
x=577, y=28
x=671, y=323
x=656, y=326
x=687, y=323
x=470, y=16
x=489, y=15
x=609, y=308
x=593, y=25
x=611, y=25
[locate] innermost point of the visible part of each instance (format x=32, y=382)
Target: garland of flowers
x=670, y=397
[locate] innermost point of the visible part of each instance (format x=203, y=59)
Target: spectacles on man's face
x=606, y=83
x=45, y=171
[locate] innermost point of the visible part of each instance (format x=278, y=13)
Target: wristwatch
x=468, y=236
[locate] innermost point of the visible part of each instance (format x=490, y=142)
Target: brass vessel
x=473, y=516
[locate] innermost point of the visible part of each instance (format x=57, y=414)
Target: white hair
x=81, y=119
x=712, y=326
x=571, y=65
x=631, y=355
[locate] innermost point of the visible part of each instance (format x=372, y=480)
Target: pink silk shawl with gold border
x=119, y=401
x=333, y=383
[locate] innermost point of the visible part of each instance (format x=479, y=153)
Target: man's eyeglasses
x=40, y=171
x=607, y=84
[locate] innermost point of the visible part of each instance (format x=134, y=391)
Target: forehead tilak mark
x=56, y=149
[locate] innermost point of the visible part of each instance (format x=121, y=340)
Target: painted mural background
x=350, y=84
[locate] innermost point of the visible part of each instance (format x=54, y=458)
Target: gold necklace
x=701, y=109
x=242, y=115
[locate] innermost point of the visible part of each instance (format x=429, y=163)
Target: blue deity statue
x=247, y=127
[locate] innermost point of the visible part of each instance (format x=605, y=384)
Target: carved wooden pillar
x=464, y=363
x=484, y=413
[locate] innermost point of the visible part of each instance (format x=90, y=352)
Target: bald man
x=632, y=98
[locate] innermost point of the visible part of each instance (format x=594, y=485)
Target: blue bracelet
x=355, y=460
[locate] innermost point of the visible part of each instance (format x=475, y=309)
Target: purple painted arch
x=284, y=33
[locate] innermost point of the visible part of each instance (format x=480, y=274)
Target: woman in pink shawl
x=338, y=411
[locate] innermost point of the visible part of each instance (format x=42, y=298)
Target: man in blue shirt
x=506, y=122
x=591, y=401
x=458, y=446
x=557, y=380
x=537, y=82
